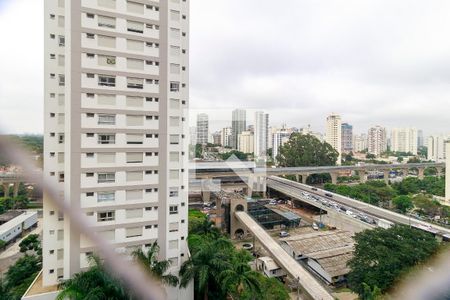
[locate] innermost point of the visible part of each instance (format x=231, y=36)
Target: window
x=106, y=119
x=135, y=101
x=173, y=244
x=90, y=16
x=174, y=15
x=173, y=227
x=137, y=64
x=107, y=3
x=106, y=41
x=173, y=209
x=135, y=45
x=133, y=232
x=106, y=99
x=173, y=192
x=108, y=22
x=174, y=139
x=89, y=174
x=135, y=83
x=61, y=80
x=135, y=139
x=106, y=196
x=135, y=120
x=134, y=7
x=90, y=194
x=90, y=36
x=106, y=216
x=90, y=75
x=133, y=195
x=60, y=138
x=135, y=158
x=61, y=21
x=106, y=157
x=134, y=176
x=106, y=139
x=104, y=80
x=105, y=60
x=174, y=68
x=135, y=27
x=134, y=213
x=106, y=177
x=174, y=174
x=175, y=51
x=174, y=86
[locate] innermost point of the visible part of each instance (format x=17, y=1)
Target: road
x=284, y=260
x=375, y=211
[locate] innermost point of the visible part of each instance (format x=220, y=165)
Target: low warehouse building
x=326, y=253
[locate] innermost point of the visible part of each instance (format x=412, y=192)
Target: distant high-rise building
x=261, y=133
x=192, y=135
x=226, y=135
x=359, y=142
x=436, y=148
x=404, y=140
x=217, y=138
x=246, y=142
x=202, y=129
x=333, y=134
x=116, y=93
x=238, y=124
x=420, y=139
x=280, y=136
x=376, y=140
x=347, y=137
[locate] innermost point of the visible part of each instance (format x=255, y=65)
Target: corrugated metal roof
x=286, y=214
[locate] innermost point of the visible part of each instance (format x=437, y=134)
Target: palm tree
x=209, y=257
x=154, y=267
x=206, y=227
x=95, y=283
x=240, y=277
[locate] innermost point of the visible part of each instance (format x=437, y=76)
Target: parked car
x=284, y=234
x=314, y=189
x=328, y=195
x=315, y=227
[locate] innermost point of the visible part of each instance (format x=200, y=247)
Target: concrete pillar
x=250, y=186
x=334, y=177
x=297, y=177
x=362, y=176
x=439, y=172
x=6, y=189
x=206, y=196
x=16, y=189
x=304, y=178
x=386, y=176
x=447, y=171
x=421, y=173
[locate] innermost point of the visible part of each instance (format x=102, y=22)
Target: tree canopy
x=306, y=150
x=382, y=255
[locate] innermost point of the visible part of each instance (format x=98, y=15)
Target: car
x=315, y=227
x=284, y=234
x=314, y=189
x=273, y=202
x=328, y=195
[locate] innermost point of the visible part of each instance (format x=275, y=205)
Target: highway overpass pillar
x=362, y=176
x=304, y=177
x=6, y=190
x=16, y=189
x=386, y=176
x=439, y=172
x=447, y=172
x=421, y=173
x=334, y=177
x=297, y=177
x=206, y=196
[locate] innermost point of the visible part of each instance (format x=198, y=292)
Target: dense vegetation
x=19, y=202
x=414, y=185
x=20, y=275
x=382, y=256
x=240, y=155
x=306, y=150
x=219, y=270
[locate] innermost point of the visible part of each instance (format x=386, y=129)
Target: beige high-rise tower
x=334, y=134
x=116, y=99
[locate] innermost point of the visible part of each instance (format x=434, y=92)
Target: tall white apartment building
x=333, y=134
x=226, y=135
x=246, y=142
x=436, y=148
x=202, y=129
x=376, y=140
x=404, y=140
x=261, y=134
x=359, y=142
x=116, y=97
x=238, y=124
x=280, y=136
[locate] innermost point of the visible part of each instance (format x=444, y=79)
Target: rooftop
x=16, y=221
x=286, y=214
x=9, y=215
x=37, y=287
x=269, y=262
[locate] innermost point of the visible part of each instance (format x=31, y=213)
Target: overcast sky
x=373, y=62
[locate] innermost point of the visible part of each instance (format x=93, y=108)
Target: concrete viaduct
x=6, y=179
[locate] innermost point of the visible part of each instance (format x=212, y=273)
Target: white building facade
x=261, y=134
x=333, y=134
x=202, y=129
x=404, y=140
x=376, y=140
x=116, y=99
x=436, y=148
x=246, y=142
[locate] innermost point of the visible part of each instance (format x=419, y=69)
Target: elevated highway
x=283, y=259
x=295, y=189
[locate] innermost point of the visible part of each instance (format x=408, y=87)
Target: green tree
x=158, y=269
x=240, y=155
x=31, y=243
x=198, y=151
x=2, y=244
x=95, y=283
x=206, y=228
x=306, y=150
x=240, y=277
x=382, y=255
x=20, y=275
x=209, y=257
x=403, y=203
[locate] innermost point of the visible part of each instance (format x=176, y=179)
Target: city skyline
x=363, y=86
